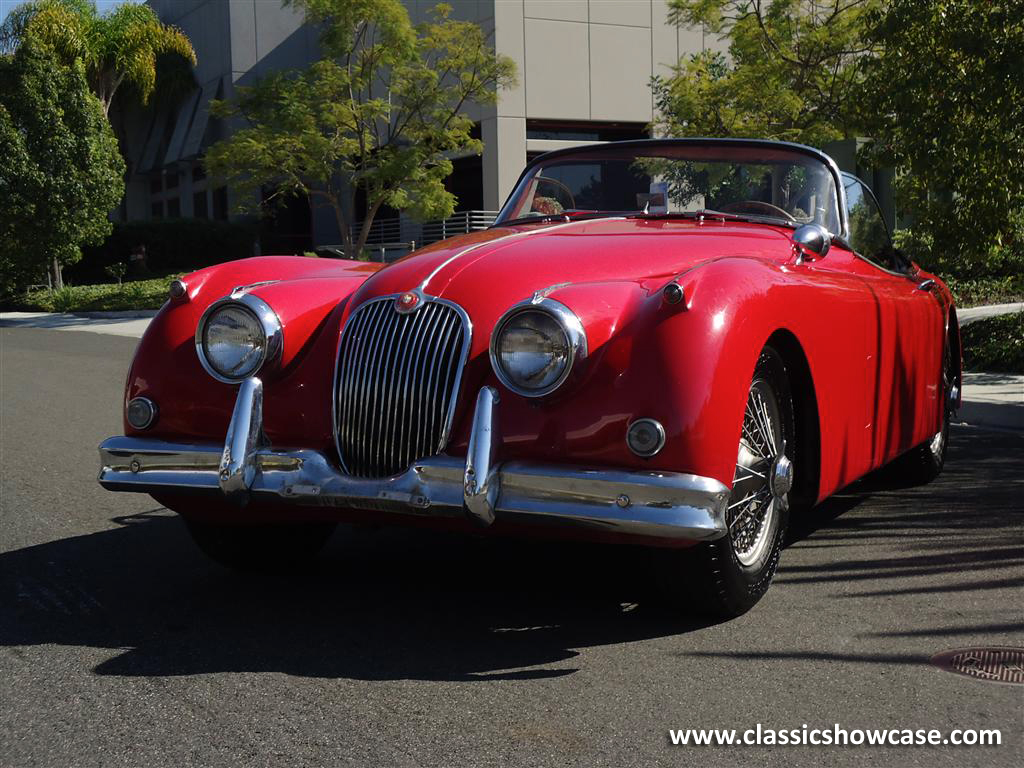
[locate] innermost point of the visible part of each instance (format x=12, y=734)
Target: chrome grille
x=398, y=377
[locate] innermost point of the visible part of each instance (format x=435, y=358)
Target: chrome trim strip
x=268, y=320
x=482, y=480
x=668, y=505
x=422, y=287
x=575, y=335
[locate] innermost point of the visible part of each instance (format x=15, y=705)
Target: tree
x=380, y=114
x=946, y=98
x=60, y=169
x=792, y=68
x=118, y=48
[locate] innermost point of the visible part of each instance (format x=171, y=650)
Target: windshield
x=755, y=181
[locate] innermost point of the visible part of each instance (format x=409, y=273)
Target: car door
x=904, y=369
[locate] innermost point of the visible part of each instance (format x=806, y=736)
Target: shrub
x=172, y=245
x=995, y=344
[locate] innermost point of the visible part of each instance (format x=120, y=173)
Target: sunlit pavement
x=121, y=646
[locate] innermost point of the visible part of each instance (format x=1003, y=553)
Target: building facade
x=584, y=70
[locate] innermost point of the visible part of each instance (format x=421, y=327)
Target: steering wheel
x=557, y=184
x=757, y=205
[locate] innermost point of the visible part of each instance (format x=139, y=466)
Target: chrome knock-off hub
x=781, y=476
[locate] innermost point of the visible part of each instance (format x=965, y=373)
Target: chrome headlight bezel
x=569, y=324
x=268, y=322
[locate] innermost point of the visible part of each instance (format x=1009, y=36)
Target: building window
x=172, y=180
x=157, y=209
x=220, y=203
x=198, y=172
x=173, y=208
x=155, y=186
x=553, y=130
x=199, y=207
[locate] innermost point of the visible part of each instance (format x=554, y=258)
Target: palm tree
x=117, y=48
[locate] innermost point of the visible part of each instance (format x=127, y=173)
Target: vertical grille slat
x=397, y=380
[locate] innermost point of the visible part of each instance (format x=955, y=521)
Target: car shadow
x=377, y=604
x=393, y=604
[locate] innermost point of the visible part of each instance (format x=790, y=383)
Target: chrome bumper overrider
x=669, y=505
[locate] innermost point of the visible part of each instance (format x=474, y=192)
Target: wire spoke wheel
x=763, y=476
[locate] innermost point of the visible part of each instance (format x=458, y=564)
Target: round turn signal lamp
x=645, y=437
x=141, y=412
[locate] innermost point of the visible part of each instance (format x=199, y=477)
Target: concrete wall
x=578, y=61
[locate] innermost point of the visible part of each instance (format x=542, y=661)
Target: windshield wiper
x=702, y=214
x=547, y=218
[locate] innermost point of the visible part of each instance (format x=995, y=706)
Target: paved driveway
x=121, y=646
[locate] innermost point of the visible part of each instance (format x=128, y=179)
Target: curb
x=126, y=314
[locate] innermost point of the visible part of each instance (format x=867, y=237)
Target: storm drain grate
x=997, y=665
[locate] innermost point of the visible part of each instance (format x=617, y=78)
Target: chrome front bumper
x=667, y=505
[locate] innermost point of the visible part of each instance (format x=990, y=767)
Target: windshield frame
x=508, y=207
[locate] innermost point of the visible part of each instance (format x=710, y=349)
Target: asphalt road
x=121, y=646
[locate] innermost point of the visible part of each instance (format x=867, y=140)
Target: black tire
x=923, y=463
x=725, y=578
x=260, y=547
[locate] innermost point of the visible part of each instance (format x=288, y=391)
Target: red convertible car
x=672, y=343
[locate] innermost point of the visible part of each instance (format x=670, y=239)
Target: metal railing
x=382, y=252
x=458, y=223
x=392, y=238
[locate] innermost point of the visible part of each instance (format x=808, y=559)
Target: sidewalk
x=968, y=316
x=993, y=400
x=131, y=324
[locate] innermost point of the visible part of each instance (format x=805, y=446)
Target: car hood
x=508, y=264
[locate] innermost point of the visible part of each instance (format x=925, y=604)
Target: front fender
x=308, y=296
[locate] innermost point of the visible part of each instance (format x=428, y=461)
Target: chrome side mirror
x=811, y=241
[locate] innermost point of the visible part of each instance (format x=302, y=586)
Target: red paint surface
x=872, y=340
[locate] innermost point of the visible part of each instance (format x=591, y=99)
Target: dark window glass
x=199, y=209
x=172, y=180
x=220, y=203
x=584, y=131
x=157, y=209
x=868, y=233
x=173, y=208
x=156, y=186
x=198, y=172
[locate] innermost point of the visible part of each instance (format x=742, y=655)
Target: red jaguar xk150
x=668, y=342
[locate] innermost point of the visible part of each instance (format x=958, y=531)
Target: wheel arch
x=805, y=409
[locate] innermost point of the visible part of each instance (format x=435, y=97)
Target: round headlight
x=534, y=347
x=236, y=337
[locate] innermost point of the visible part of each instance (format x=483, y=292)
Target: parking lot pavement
x=121, y=646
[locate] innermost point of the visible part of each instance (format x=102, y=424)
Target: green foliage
x=172, y=245
x=379, y=114
x=60, y=169
x=946, y=102
x=978, y=291
x=141, y=294
x=995, y=344
x=120, y=47
x=791, y=70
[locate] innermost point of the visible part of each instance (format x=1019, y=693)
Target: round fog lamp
x=645, y=437
x=141, y=412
